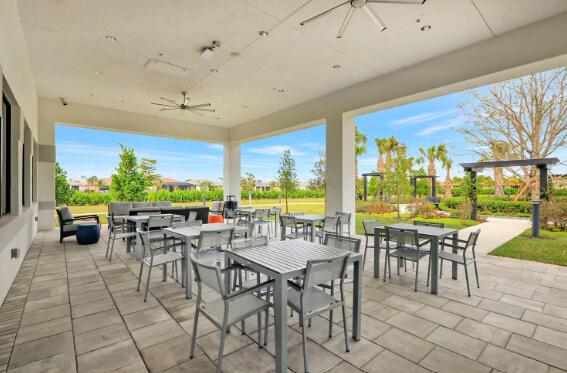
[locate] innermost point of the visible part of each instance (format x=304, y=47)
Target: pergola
x=542, y=165
x=365, y=176
x=413, y=181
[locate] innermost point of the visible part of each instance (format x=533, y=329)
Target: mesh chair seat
x=239, y=308
x=458, y=258
x=314, y=301
x=164, y=258
x=409, y=253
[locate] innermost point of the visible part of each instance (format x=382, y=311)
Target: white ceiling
x=67, y=44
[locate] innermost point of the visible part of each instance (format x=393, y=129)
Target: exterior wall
x=17, y=229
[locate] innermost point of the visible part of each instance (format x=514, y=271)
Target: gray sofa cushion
x=66, y=213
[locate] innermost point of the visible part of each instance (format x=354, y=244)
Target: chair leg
x=140, y=275
x=331, y=311
x=428, y=268
x=221, y=350
x=268, y=289
x=243, y=327
x=304, y=342
x=111, y=251
x=467, y=278
x=259, y=329
x=476, y=274
x=345, y=328
x=148, y=283
x=108, y=243
x=416, y=272
x=440, y=267
x=194, y=337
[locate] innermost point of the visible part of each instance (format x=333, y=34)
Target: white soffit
x=67, y=41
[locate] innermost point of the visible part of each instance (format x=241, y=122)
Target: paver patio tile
x=557, y=311
x=405, y=344
x=378, y=310
x=40, y=349
x=92, y=308
x=345, y=367
x=502, y=308
x=199, y=364
x=146, y=317
x=46, y=314
x=371, y=328
x=40, y=304
x=522, y=302
x=44, y=329
x=510, y=324
x=95, y=321
x=131, y=301
x=81, y=289
x=540, y=351
x=136, y=367
x=465, y=310
x=549, y=321
x=234, y=341
x=447, y=319
x=485, y=332
x=412, y=324
x=46, y=293
x=551, y=336
x=89, y=297
x=403, y=304
x=100, y=337
x=248, y=359
x=444, y=361
x=460, y=343
x=360, y=353
x=507, y=361
x=388, y=362
x=319, y=359
x=169, y=353
x=156, y=333
x=109, y=358
x=64, y=362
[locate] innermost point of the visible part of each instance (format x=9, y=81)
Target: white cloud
x=275, y=150
x=422, y=118
x=367, y=161
x=216, y=146
x=433, y=129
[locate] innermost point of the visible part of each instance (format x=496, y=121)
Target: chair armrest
x=454, y=239
x=85, y=217
x=242, y=292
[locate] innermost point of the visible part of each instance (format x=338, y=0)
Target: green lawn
x=550, y=248
x=306, y=205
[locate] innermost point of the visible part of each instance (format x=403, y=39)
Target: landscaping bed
x=550, y=248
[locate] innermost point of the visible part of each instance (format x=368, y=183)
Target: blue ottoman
x=88, y=233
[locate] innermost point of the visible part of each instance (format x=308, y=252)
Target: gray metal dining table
x=284, y=260
x=434, y=234
x=312, y=221
x=187, y=235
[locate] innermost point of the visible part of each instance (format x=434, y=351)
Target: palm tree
x=447, y=164
x=433, y=153
x=360, y=141
x=381, y=145
x=391, y=145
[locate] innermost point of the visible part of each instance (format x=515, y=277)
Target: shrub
x=422, y=207
x=380, y=208
x=491, y=206
x=554, y=214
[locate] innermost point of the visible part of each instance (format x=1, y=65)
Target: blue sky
x=87, y=152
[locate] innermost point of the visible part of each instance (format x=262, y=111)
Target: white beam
x=231, y=176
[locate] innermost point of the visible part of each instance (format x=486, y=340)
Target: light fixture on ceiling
x=234, y=54
x=214, y=70
x=111, y=38
x=364, y=4
x=184, y=105
x=279, y=90
x=263, y=33
x=208, y=52
x=63, y=101
x=336, y=67
x=91, y=94
x=426, y=28
x=98, y=73
x=245, y=106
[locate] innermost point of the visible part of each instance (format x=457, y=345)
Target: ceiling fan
x=184, y=106
x=364, y=4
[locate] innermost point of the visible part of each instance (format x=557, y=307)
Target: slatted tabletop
x=309, y=218
x=288, y=257
x=423, y=230
x=195, y=231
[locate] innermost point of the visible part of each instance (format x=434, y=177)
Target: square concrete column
x=46, y=174
x=340, y=193
x=231, y=175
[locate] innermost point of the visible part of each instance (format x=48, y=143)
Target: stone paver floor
x=69, y=310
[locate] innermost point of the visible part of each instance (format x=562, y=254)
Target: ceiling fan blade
x=164, y=109
x=374, y=17
x=345, y=23
x=323, y=13
x=196, y=112
x=209, y=110
x=155, y=103
x=407, y=2
x=200, y=105
x=170, y=101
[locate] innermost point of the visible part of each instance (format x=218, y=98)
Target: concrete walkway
x=495, y=232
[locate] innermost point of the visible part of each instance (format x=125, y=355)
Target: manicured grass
x=306, y=205
x=550, y=248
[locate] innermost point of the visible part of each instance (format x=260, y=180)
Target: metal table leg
x=376, y=254
x=357, y=300
x=434, y=251
x=188, y=271
x=455, y=271
x=280, y=325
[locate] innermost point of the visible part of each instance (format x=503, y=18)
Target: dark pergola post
x=365, y=188
x=536, y=205
x=433, y=187
x=473, y=195
x=381, y=187
x=413, y=182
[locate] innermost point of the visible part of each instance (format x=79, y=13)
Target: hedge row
x=494, y=206
x=81, y=198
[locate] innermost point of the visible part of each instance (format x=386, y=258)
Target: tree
x=318, y=181
x=381, y=145
x=397, y=181
x=248, y=182
x=129, y=182
x=447, y=165
x=148, y=169
x=529, y=115
x=63, y=190
x=433, y=153
x=287, y=176
x=360, y=141
x=391, y=144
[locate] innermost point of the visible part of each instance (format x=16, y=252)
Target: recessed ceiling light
x=214, y=70
x=98, y=73
x=160, y=54
x=92, y=94
x=418, y=20
x=123, y=101
x=426, y=28
x=111, y=38
x=234, y=54
x=281, y=90
x=217, y=118
x=263, y=33
x=245, y=106
x=336, y=67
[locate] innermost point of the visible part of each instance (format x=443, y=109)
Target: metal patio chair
x=369, y=226
x=117, y=230
x=276, y=212
x=296, y=230
x=229, y=308
x=211, y=243
x=331, y=225
x=462, y=259
x=404, y=244
x=261, y=220
x=309, y=300
x=345, y=221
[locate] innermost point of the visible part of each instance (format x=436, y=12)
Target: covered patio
x=267, y=67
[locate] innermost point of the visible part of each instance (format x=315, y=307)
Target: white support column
x=340, y=193
x=231, y=177
x=46, y=174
